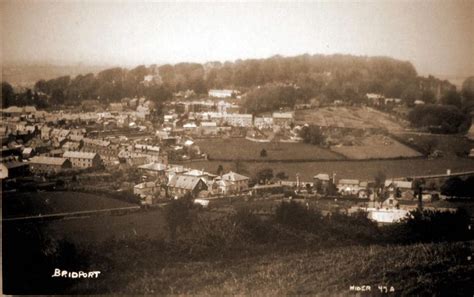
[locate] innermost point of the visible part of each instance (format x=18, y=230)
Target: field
x=36, y=203
x=449, y=145
x=425, y=269
x=348, y=169
x=376, y=147
x=349, y=117
x=243, y=149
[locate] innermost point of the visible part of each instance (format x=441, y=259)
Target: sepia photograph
x=221, y=148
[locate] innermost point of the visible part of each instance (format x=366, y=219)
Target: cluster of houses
x=167, y=180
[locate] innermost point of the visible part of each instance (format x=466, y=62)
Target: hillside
x=427, y=269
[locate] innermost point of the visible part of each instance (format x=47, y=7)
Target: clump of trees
x=440, y=118
x=457, y=187
x=271, y=97
x=312, y=134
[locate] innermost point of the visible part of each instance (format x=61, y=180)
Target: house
x=146, y=191
x=321, y=182
x=209, y=128
x=348, y=186
x=239, y=120
x=222, y=187
x=83, y=159
x=153, y=169
x=399, y=189
x=180, y=185
x=13, y=169
x=42, y=164
x=263, y=122
x=221, y=93
x=283, y=119
x=206, y=176
x=27, y=152
x=240, y=182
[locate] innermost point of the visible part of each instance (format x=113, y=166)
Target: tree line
x=287, y=79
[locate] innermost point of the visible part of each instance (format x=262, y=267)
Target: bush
x=430, y=226
x=295, y=215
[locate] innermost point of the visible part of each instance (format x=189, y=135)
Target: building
x=240, y=182
x=399, y=189
x=180, y=185
x=42, y=164
x=283, y=119
x=83, y=159
x=348, y=186
x=239, y=120
x=263, y=122
x=208, y=128
x=153, y=169
x=146, y=191
x=321, y=182
x=221, y=93
x=13, y=169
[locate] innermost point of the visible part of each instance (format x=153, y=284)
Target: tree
x=379, y=184
x=177, y=215
x=439, y=118
x=8, y=95
x=452, y=98
x=282, y=175
x=312, y=134
x=264, y=176
x=263, y=153
x=452, y=187
x=428, y=96
x=220, y=169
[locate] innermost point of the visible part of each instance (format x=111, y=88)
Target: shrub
x=297, y=216
x=430, y=226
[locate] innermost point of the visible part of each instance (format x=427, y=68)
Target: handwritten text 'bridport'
x=75, y=274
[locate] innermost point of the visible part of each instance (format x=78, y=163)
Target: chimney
x=448, y=172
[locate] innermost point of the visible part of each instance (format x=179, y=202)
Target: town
x=237, y=148
x=128, y=148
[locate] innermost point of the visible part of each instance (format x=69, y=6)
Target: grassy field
x=376, y=147
x=449, y=145
x=35, y=203
x=349, y=169
x=243, y=149
x=421, y=269
x=349, y=117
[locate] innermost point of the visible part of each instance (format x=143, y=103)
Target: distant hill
x=26, y=75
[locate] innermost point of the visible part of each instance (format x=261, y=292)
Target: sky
x=436, y=36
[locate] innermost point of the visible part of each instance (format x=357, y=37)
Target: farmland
x=36, y=203
x=349, y=169
x=376, y=147
x=243, y=149
x=350, y=117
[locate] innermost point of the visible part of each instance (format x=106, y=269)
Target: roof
x=322, y=176
x=349, y=181
x=14, y=164
x=146, y=147
x=198, y=173
x=399, y=184
x=184, y=182
x=208, y=124
x=233, y=176
x=145, y=185
x=153, y=166
x=48, y=160
x=283, y=115
x=79, y=155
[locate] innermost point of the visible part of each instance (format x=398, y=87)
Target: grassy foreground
x=422, y=269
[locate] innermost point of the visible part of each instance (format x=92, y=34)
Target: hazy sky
x=437, y=36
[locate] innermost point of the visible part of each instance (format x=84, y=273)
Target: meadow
x=376, y=147
x=36, y=203
x=243, y=149
x=349, y=117
x=366, y=169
